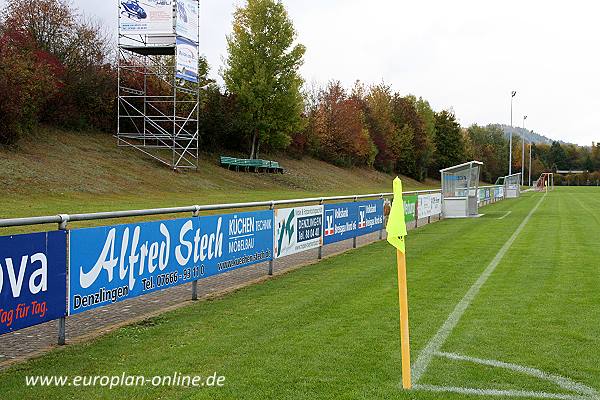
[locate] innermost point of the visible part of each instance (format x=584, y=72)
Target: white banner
x=187, y=60
x=187, y=19
x=146, y=17
x=297, y=229
x=424, y=209
x=436, y=204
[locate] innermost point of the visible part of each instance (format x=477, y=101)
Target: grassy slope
x=331, y=330
x=65, y=172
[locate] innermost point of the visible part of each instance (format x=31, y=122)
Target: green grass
x=60, y=172
x=331, y=330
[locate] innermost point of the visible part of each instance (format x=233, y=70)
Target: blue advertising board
x=114, y=263
x=33, y=279
x=340, y=222
x=370, y=217
x=348, y=220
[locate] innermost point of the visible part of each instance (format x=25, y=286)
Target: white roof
x=467, y=164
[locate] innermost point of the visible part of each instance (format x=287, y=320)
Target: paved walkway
x=36, y=340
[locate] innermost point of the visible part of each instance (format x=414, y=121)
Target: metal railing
x=63, y=219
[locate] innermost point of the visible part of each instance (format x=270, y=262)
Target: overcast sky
x=464, y=54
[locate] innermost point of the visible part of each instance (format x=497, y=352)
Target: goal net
x=545, y=182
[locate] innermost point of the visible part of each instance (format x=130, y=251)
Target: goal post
x=545, y=182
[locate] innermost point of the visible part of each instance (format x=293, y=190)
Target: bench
x=251, y=165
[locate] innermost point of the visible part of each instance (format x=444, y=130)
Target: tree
x=588, y=164
x=428, y=142
x=28, y=80
x=491, y=146
x=336, y=131
x=557, y=157
x=82, y=49
x=218, y=119
x=448, y=140
x=417, y=146
x=385, y=134
x=596, y=156
x=262, y=72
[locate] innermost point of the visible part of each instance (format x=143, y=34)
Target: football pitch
x=502, y=306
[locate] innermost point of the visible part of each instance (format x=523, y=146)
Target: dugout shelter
x=512, y=186
x=460, y=190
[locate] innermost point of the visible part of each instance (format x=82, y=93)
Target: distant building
x=570, y=172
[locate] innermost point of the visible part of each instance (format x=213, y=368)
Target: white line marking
x=436, y=343
x=500, y=393
x=505, y=215
x=560, y=381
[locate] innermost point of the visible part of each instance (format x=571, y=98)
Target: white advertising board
x=436, y=204
x=187, y=60
x=146, y=17
x=187, y=19
x=297, y=229
x=424, y=209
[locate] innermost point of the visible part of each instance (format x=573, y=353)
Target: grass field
x=531, y=330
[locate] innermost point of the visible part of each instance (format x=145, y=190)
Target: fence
x=491, y=194
x=71, y=271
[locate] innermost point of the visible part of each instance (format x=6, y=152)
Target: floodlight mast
x=523, y=154
x=530, y=149
x=512, y=96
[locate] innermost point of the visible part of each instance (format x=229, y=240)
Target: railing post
x=354, y=238
x=320, y=255
x=417, y=212
x=62, y=321
x=271, y=261
x=195, y=214
x=381, y=230
x=62, y=330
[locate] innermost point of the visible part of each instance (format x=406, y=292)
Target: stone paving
x=36, y=340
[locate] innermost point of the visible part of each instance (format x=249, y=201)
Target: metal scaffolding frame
x=158, y=114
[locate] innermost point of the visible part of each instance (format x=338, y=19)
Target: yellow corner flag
x=396, y=226
x=396, y=230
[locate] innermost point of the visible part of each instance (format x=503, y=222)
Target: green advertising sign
x=410, y=207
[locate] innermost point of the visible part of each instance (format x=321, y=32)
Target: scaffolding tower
x=158, y=87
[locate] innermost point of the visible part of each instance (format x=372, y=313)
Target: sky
x=467, y=55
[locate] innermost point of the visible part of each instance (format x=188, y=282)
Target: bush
x=60, y=45
x=29, y=78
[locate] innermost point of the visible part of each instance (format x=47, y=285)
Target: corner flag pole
x=404, y=333
x=396, y=229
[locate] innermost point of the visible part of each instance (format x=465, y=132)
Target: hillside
x=66, y=172
x=530, y=136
